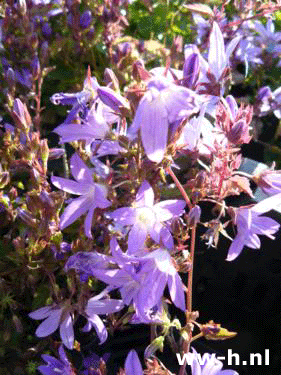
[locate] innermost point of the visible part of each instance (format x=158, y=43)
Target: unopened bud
x=112, y=99
x=56, y=153
x=10, y=77
x=193, y=217
x=4, y=179
x=264, y=93
x=191, y=70
x=22, y=6
x=156, y=344
x=110, y=78
x=21, y=115
x=35, y=67
x=85, y=19
x=44, y=154
x=139, y=72
x=44, y=50
x=239, y=133
x=27, y=218
x=47, y=30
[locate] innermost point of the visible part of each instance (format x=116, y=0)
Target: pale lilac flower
x=56, y=366
x=78, y=100
x=142, y=280
x=269, y=181
x=268, y=38
x=132, y=364
x=93, y=127
x=250, y=224
x=163, y=104
x=99, y=305
x=211, y=365
x=92, y=195
x=55, y=317
x=145, y=217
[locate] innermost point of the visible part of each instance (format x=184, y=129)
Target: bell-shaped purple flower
x=162, y=104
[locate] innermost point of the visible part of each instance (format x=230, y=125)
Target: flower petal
x=105, y=306
x=74, y=210
x=145, y=195
x=41, y=313
x=66, y=332
x=79, y=170
x=70, y=186
x=154, y=127
x=132, y=364
x=168, y=209
x=217, y=57
x=50, y=324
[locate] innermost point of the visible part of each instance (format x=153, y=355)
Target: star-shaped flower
x=163, y=104
x=54, y=317
x=92, y=195
x=145, y=217
x=250, y=224
x=56, y=366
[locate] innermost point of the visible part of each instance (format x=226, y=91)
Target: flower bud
x=35, y=68
x=44, y=154
x=193, y=217
x=110, y=78
x=10, y=77
x=112, y=99
x=56, y=153
x=85, y=19
x=156, y=344
x=239, y=133
x=264, y=93
x=47, y=30
x=191, y=70
x=44, y=50
x=4, y=179
x=27, y=218
x=21, y=115
x=22, y=7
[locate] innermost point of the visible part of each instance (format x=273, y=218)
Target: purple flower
x=99, y=305
x=209, y=366
x=145, y=217
x=86, y=19
x=94, y=126
x=142, y=280
x=132, y=364
x=162, y=104
x=54, y=317
x=269, y=181
x=92, y=195
x=250, y=224
x=56, y=366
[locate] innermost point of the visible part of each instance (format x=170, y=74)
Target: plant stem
x=180, y=187
x=186, y=344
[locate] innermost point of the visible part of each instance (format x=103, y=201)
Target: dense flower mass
x=122, y=146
